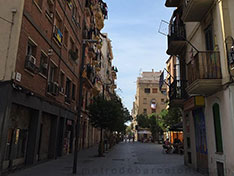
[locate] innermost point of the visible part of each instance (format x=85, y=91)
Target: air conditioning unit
x=53, y=88
x=32, y=59
x=30, y=63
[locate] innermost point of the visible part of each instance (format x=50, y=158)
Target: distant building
x=149, y=99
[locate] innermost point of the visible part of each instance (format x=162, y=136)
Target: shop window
x=218, y=129
x=155, y=90
x=147, y=90
x=21, y=142
x=10, y=136
x=43, y=64
x=189, y=157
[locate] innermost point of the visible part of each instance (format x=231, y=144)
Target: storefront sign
x=194, y=102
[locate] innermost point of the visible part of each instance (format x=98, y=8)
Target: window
x=49, y=10
x=153, y=110
x=68, y=90
x=73, y=52
x=30, y=60
x=155, y=90
x=217, y=127
x=53, y=73
x=145, y=100
x=73, y=91
x=164, y=91
x=209, y=38
x=31, y=49
x=39, y=3
x=58, y=22
x=58, y=29
x=74, y=12
x=145, y=111
x=62, y=77
x=65, y=37
x=147, y=90
x=43, y=64
x=162, y=101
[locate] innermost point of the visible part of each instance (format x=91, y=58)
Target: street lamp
x=84, y=42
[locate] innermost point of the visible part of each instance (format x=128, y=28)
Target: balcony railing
x=204, y=65
x=176, y=38
x=177, y=90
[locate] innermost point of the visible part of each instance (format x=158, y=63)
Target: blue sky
x=137, y=46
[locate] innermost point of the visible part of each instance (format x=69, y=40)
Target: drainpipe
x=13, y=11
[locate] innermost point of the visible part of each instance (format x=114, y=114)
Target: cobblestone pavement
x=125, y=159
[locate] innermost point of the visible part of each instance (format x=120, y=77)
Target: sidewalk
x=59, y=167
x=125, y=159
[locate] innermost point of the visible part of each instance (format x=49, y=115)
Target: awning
x=144, y=132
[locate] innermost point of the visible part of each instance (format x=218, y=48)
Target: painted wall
x=9, y=35
x=225, y=99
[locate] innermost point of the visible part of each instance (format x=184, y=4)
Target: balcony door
x=209, y=39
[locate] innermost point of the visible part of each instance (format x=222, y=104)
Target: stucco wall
x=9, y=35
x=225, y=100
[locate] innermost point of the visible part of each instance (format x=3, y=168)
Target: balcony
x=204, y=76
x=177, y=93
x=195, y=10
x=176, y=39
x=89, y=76
x=172, y=3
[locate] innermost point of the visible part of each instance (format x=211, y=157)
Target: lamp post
x=77, y=134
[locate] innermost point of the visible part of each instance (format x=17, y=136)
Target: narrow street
x=123, y=159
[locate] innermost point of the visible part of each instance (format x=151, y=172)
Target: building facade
x=201, y=36
x=41, y=54
x=149, y=99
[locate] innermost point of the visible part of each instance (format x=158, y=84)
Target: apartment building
x=41, y=53
x=149, y=99
x=201, y=37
